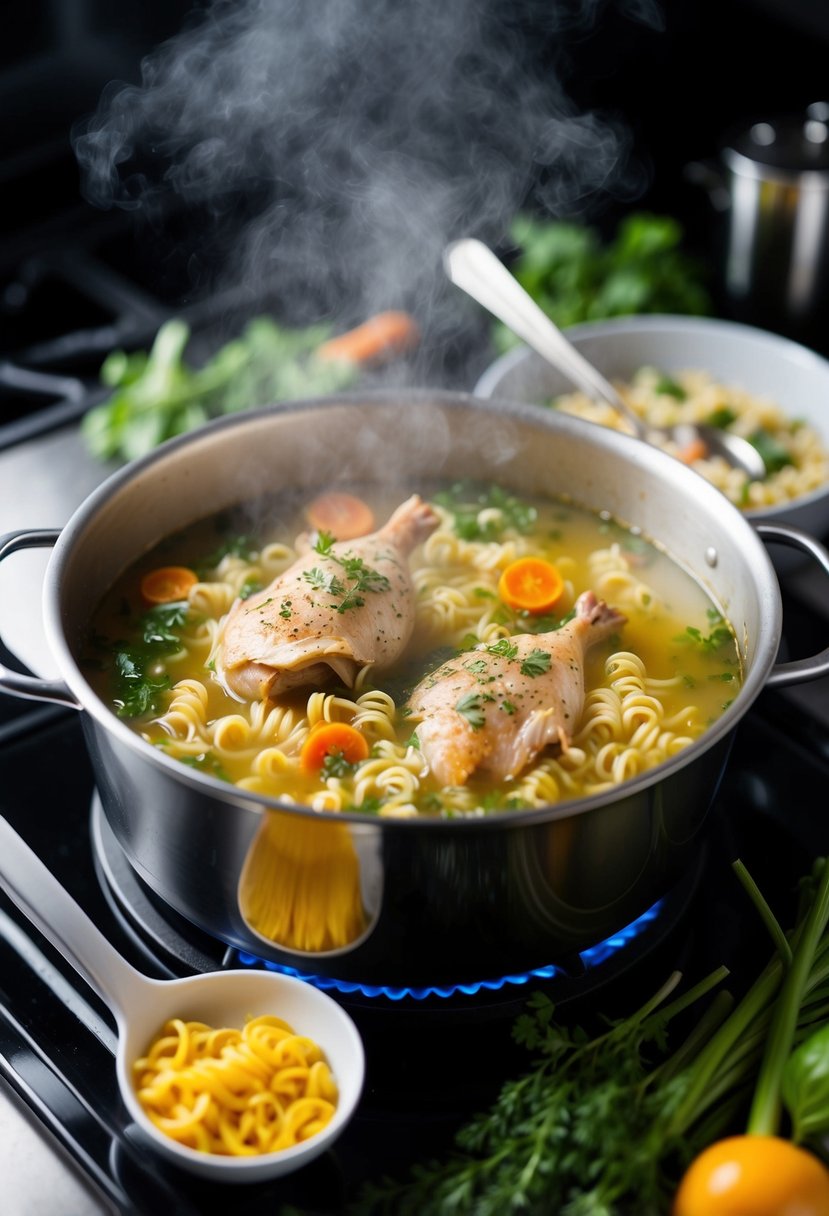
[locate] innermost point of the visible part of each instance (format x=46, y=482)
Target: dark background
x=714, y=64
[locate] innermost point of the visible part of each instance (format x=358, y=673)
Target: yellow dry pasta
x=235, y=1093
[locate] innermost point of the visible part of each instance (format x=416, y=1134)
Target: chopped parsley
x=721, y=418
x=467, y=501
x=471, y=707
x=336, y=765
x=670, y=388
x=775, y=456
x=235, y=546
x=139, y=677
x=362, y=578
x=536, y=663
x=249, y=587
x=504, y=647
x=206, y=762
x=719, y=636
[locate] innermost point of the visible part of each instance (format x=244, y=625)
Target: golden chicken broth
x=652, y=684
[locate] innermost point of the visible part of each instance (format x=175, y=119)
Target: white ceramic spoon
x=474, y=268
x=219, y=998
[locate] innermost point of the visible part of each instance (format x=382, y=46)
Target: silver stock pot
x=443, y=900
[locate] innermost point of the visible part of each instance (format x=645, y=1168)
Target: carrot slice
x=343, y=515
x=332, y=738
x=168, y=583
x=386, y=333
x=531, y=584
x=697, y=449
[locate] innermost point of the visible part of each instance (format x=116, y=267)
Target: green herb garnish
x=362, y=577
x=471, y=707
x=536, y=663
x=466, y=501
x=775, y=456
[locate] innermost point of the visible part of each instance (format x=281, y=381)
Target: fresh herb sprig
x=603, y=1124
x=359, y=577
x=139, y=677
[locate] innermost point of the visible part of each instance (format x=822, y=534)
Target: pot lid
x=794, y=143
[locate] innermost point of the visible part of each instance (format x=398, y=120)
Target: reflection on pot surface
x=308, y=886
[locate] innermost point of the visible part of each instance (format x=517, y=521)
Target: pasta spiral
x=235, y=1093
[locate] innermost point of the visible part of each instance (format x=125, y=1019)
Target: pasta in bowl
x=764, y=387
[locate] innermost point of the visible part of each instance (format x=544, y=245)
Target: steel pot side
x=440, y=901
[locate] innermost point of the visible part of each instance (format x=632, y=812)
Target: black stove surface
x=57, y=1039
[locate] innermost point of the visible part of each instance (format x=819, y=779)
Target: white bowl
x=762, y=363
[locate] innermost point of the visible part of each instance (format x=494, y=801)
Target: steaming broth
x=651, y=688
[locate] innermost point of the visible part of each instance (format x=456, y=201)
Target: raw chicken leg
x=337, y=609
x=495, y=707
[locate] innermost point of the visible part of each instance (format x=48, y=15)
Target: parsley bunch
x=603, y=1124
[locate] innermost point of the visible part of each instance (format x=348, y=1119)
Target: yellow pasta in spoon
x=236, y=1093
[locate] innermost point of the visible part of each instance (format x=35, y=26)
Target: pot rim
x=637, y=452
x=488, y=384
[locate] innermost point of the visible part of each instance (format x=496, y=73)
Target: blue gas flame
x=592, y=957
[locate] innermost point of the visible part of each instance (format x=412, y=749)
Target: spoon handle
x=474, y=268
x=38, y=894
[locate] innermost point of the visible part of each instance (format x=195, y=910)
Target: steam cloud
x=368, y=133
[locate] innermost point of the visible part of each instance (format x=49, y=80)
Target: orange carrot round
x=332, y=738
x=697, y=449
x=343, y=515
x=167, y=583
x=387, y=333
x=531, y=584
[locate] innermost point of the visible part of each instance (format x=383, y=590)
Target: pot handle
x=30, y=687
x=816, y=665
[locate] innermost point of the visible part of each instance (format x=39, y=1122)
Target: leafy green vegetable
x=805, y=1087
x=139, y=675
x=156, y=394
x=721, y=418
x=467, y=503
x=719, y=636
x=670, y=388
x=775, y=456
x=575, y=277
x=206, y=762
x=602, y=1123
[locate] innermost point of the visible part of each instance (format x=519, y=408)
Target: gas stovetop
x=57, y=1039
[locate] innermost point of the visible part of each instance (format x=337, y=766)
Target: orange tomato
x=167, y=584
x=329, y=738
x=343, y=515
x=531, y=584
x=754, y=1176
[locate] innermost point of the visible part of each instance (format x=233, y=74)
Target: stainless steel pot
x=772, y=186
x=443, y=901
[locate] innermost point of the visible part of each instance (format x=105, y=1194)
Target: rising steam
x=362, y=135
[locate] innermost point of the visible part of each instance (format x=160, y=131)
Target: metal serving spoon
x=474, y=268
x=142, y=1005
